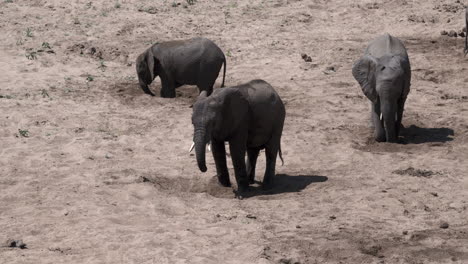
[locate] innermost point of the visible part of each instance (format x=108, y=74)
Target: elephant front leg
x=252, y=155
x=168, y=90
x=238, y=148
x=379, y=131
x=399, y=118
x=168, y=86
x=219, y=156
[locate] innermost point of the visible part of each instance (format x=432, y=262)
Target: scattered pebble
x=306, y=57
x=15, y=243
x=434, y=194
x=405, y=232
x=332, y=217
x=443, y=32
x=298, y=226
x=452, y=33
x=251, y=216
x=444, y=225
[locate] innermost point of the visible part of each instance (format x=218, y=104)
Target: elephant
x=250, y=117
x=195, y=61
x=384, y=74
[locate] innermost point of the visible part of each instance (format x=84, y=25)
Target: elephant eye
x=383, y=68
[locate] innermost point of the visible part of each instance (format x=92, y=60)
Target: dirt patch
x=416, y=172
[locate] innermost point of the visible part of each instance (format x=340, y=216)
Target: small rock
x=444, y=225
x=16, y=243
x=251, y=216
x=461, y=34
x=405, y=232
x=332, y=217
x=306, y=57
x=452, y=33
x=298, y=226
x=443, y=32
x=434, y=194
x=449, y=20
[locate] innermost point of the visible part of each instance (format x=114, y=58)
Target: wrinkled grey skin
x=194, y=61
x=250, y=117
x=466, y=33
x=384, y=74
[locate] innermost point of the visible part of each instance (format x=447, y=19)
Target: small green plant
x=19, y=42
x=31, y=55
x=6, y=96
x=117, y=5
x=23, y=132
x=29, y=33
x=8, y=1
x=89, y=78
x=228, y=53
x=191, y=2
x=44, y=93
x=102, y=65
x=46, y=45
x=174, y=4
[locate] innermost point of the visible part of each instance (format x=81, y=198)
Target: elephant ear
x=364, y=73
x=151, y=62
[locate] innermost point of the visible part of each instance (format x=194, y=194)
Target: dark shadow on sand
x=418, y=135
x=284, y=183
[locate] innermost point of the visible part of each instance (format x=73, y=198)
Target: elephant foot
x=224, y=181
x=242, y=192
x=166, y=94
x=267, y=183
x=252, y=180
x=380, y=138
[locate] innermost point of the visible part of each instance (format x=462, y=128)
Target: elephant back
x=386, y=45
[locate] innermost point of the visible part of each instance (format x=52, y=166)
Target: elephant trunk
x=145, y=88
x=389, y=116
x=200, y=144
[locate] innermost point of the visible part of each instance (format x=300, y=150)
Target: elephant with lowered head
x=250, y=117
x=194, y=61
x=384, y=74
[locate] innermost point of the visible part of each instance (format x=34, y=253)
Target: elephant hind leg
x=252, y=155
x=271, y=153
x=268, y=179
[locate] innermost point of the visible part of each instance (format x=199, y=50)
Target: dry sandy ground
x=94, y=171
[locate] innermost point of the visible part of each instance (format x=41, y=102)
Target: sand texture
x=92, y=170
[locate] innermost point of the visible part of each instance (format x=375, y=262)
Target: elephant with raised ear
x=384, y=74
x=250, y=117
x=195, y=61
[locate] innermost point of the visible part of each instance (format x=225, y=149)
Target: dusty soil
x=94, y=171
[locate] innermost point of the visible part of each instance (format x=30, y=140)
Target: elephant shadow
x=284, y=183
x=418, y=135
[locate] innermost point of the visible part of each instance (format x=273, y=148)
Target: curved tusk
x=209, y=147
x=380, y=116
x=191, y=147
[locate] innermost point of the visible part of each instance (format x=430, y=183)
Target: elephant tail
x=281, y=156
x=224, y=72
